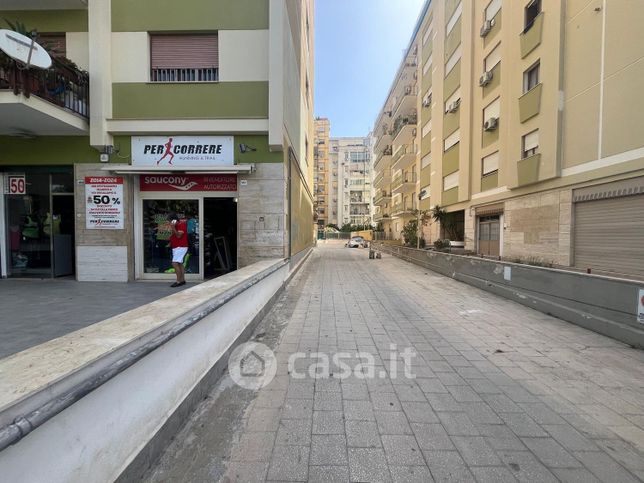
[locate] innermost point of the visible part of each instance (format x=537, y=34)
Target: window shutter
x=55, y=44
x=531, y=140
x=491, y=163
x=199, y=51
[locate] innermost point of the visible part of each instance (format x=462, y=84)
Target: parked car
x=357, y=242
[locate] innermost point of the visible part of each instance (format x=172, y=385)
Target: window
x=530, y=144
x=426, y=161
x=452, y=140
x=184, y=58
x=492, y=59
x=425, y=195
x=454, y=18
x=453, y=60
x=427, y=128
x=428, y=32
x=532, y=10
x=450, y=181
x=493, y=109
x=490, y=164
x=492, y=9
x=427, y=65
x=454, y=98
x=531, y=78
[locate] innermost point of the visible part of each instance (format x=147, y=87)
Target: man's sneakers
x=177, y=284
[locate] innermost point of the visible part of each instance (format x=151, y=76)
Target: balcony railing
x=404, y=150
x=402, y=208
x=63, y=84
x=380, y=197
x=402, y=178
x=382, y=176
x=407, y=91
x=210, y=74
x=402, y=121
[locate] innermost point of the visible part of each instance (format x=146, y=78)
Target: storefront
x=208, y=203
x=37, y=222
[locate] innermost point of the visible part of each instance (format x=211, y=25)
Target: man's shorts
x=178, y=254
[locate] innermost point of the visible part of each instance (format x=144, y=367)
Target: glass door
x=157, y=253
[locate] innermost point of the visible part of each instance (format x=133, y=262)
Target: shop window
x=532, y=10
x=530, y=144
x=531, y=78
x=184, y=58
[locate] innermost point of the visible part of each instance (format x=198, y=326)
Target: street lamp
x=420, y=197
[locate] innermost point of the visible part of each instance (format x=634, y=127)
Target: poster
x=104, y=203
x=640, y=306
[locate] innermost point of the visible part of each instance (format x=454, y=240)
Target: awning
x=488, y=210
x=129, y=169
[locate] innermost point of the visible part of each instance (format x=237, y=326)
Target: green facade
x=49, y=21
x=496, y=28
x=495, y=82
x=451, y=160
x=490, y=181
x=451, y=122
x=188, y=15
x=223, y=100
x=46, y=150
x=452, y=81
x=490, y=137
x=453, y=40
x=528, y=170
x=530, y=103
x=449, y=197
x=531, y=39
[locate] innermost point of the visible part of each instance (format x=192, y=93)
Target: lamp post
x=420, y=196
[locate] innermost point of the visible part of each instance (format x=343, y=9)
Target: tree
x=410, y=234
x=447, y=222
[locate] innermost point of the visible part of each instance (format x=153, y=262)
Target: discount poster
x=104, y=203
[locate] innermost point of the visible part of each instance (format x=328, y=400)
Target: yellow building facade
x=523, y=121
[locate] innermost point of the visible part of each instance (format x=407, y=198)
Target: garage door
x=609, y=235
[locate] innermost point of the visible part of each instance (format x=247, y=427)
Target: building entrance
x=490, y=235
x=219, y=236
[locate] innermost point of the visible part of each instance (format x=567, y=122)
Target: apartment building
x=354, y=197
x=202, y=108
x=523, y=121
x=326, y=173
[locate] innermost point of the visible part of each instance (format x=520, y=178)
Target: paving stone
x=522, y=425
x=431, y=436
x=360, y=410
x=402, y=450
x=254, y=447
x=328, y=449
x=551, y=453
x=363, y=434
x=419, y=412
x=368, y=464
x=457, y=424
x=328, y=422
x=604, y=467
x=354, y=391
x=298, y=409
x=493, y=474
x=475, y=451
x=431, y=385
x=328, y=474
x=500, y=437
x=270, y=399
x=448, y=467
x=300, y=390
x=385, y=402
x=327, y=401
x=575, y=475
x=570, y=438
x=392, y=422
x=289, y=463
x=525, y=467
x=294, y=432
x=247, y=472
x=410, y=474
x=409, y=392
x=263, y=419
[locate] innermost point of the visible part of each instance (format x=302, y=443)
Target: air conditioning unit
x=487, y=26
x=407, y=90
x=453, y=107
x=486, y=78
x=414, y=132
x=491, y=124
x=427, y=102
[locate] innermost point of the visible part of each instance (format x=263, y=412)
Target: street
x=495, y=391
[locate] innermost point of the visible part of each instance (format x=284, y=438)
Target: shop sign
x=182, y=151
x=188, y=182
x=640, y=306
x=15, y=184
x=104, y=203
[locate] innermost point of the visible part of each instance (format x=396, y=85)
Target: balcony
x=382, y=178
x=380, y=216
x=404, y=156
x=530, y=103
x=381, y=198
x=43, y=102
x=404, y=129
x=406, y=104
x=402, y=209
x=384, y=138
x=403, y=183
x=384, y=156
x=531, y=36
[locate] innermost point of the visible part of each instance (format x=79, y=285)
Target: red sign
x=16, y=185
x=188, y=182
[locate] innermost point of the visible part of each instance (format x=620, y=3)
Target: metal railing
x=381, y=196
x=403, y=150
x=402, y=121
x=400, y=208
x=63, y=84
x=210, y=74
x=402, y=178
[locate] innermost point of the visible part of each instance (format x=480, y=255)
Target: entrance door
x=219, y=236
x=489, y=235
x=157, y=253
x=62, y=230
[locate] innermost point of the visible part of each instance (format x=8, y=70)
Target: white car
x=357, y=242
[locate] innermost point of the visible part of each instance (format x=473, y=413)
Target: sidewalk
x=35, y=311
x=501, y=392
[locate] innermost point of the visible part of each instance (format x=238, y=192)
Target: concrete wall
x=110, y=429
x=602, y=304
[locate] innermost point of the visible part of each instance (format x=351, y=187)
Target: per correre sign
x=165, y=151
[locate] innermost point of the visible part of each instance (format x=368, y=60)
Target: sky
x=358, y=48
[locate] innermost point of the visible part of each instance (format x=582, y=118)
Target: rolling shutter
x=609, y=235
x=200, y=51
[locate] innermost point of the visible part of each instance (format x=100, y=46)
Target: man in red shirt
x=179, y=244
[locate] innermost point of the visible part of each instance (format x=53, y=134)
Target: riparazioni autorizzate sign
x=183, y=151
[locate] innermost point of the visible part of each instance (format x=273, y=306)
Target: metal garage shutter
x=609, y=235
